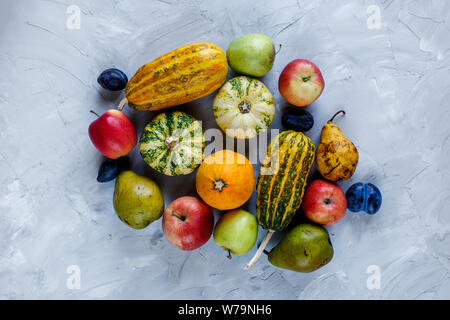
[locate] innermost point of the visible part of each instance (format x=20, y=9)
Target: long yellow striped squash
x=182, y=75
x=281, y=183
x=280, y=194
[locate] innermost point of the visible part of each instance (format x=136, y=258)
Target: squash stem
x=260, y=250
x=332, y=118
x=122, y=104
x=219, y=184
x=171, y=142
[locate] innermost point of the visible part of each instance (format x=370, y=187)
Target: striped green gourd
x=282, y=182
x=173, y=143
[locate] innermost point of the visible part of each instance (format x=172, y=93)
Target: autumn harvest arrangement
x=173, y=143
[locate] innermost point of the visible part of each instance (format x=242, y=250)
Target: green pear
x=251, y=54
x=137, y=200
x=236, y=232
x=304, y=248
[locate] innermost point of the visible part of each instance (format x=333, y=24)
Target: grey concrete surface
x=387, y=63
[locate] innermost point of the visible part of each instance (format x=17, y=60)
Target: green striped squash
x=173, y=143
x=282, y=179
x=243, y=107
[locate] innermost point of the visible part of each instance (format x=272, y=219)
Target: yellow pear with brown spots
x=336, y=156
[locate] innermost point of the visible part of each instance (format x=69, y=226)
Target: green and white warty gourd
x=243, y=107
x=173, y=143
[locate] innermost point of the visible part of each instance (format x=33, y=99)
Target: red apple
x=113, y=134
x=188, y=223
x=301, y=82
x=324, y=202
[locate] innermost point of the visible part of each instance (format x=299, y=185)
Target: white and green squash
x=243, y=107
x=173, y=143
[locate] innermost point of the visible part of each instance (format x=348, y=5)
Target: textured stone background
x=392, y=81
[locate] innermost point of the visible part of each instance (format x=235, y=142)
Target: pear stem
x=332, y=118
x=229, y=254
x=92, y=111
x=260, y=250
x=278, y=50
x=122, y=104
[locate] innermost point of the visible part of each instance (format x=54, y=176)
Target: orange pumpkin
x=225, y=180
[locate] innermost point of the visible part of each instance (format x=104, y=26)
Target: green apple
x=137, y=200
x=236, y=232
x=252, y=54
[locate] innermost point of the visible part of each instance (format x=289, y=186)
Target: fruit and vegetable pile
x=173, y=144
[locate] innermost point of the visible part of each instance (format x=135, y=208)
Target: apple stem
x=92, y=111
x=332, y=118
x=229, y=254
x=122, y=104
x=178, y=216
x=278, y=50
x=260, y=249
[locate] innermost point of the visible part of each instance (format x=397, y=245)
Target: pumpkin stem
x=171, y=142
x=219, y=184
x=260, y=250
x=92, y=111
x=278, y=50
x=122, y=104
x=229, y=254
x=332, y=118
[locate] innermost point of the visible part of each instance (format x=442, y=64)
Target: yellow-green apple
x=188, y=223
x=236, y=232
x=301, y=82
x=324, y=202
x=251, y=54
x=113, y=134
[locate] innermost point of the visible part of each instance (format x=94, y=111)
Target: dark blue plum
x=298, y=120
x=111, y=168
x=356, y=197
x=373, y=199
x=112, y=79
x=363, y=197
